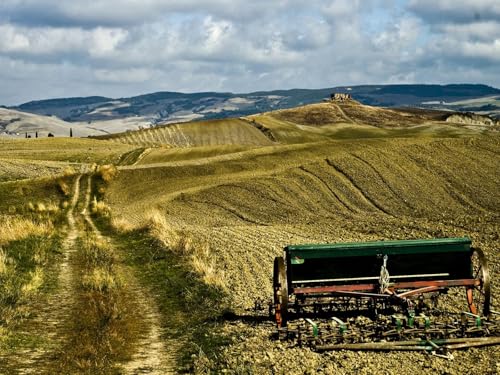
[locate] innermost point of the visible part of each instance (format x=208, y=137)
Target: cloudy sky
x=118, y=48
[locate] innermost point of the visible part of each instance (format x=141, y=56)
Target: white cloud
x=118, y=48
x=103, y=41
x=133, y=12
x=47, y=41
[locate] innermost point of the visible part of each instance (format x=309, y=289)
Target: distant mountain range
x=164, y=107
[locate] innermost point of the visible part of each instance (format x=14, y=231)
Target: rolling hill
x=310, y=123
x=161, y=107
x=16, y=123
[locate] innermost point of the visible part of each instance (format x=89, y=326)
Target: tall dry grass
x=198, y=252
x=107, y=172
x=62, y=181
x=18, y=228
x=100, y=279
x=4, y=260
x=99, y=259
x=122, y=225
x=26, y=253
x=99, y=207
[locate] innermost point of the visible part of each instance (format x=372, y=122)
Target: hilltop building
x=338, y=96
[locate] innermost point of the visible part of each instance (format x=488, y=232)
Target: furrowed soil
x=249, y=207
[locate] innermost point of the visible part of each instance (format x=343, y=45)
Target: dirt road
x=66, y=323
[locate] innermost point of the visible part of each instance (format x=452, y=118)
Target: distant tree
x=36, y=134
x=71, y=132
x=25, y=135
x=50, y=135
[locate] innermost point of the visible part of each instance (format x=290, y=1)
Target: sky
x=121, y=48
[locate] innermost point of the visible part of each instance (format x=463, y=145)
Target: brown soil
x=351, y=191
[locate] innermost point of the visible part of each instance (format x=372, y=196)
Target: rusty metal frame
x=366, y=290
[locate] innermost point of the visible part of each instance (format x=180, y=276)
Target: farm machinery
x=385, y=295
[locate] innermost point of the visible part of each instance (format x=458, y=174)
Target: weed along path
x=149, y=354
x=49, y=327
x=99, y=318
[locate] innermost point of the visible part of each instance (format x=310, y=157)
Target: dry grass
x=176, y=155
x=199, y=254
x=204, y=263
x=352, y=112
x=100, y=280
x=107, y=172
x=34, y=284
x=17, y=228
x=314, y=114
x=122, y=225
x=163, y=231
x=99, y=258
x=101, y=332
x=63, y=187
x=28, y=250
x=73, y=150
x=4, y=260
x=18, y=169
x=99, y=208
x=96, y=251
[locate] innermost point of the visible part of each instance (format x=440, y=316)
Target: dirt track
x=63, y=321
x=150, y=354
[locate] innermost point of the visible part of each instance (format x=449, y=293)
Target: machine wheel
x=280, y=292
x=478, y=297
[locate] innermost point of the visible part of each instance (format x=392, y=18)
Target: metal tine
x=447, y=356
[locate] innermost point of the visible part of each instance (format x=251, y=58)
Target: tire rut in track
x=54, y=323
x=150, y=354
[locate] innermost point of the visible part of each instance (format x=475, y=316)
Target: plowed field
x=249, y=207
x=203, y=133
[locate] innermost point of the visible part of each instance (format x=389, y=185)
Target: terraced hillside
x=203, y=133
